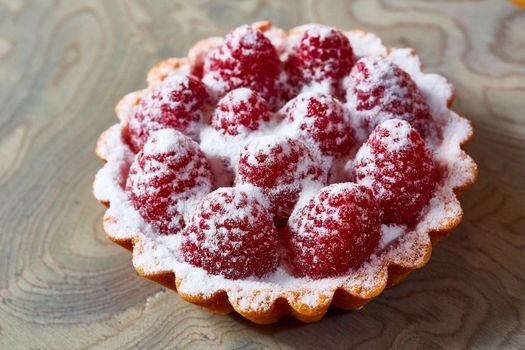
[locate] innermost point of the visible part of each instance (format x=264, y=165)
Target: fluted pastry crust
x=306, y=304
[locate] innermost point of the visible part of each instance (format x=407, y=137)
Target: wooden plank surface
x=64, y=65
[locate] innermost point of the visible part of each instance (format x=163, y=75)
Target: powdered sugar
x=397, y=165
x=279, y=166
x=246, y=58
x=318, y=60
x=231, y=234
x=397, y=138
x=322, y=121
x=166, y=178
x=179, y=102
x=154, y=253
x=378, y=90
x=389, y=233
x=240, y=111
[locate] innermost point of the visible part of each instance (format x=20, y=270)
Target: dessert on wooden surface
x=277, y=174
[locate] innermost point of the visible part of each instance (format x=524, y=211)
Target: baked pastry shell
x=219, y=301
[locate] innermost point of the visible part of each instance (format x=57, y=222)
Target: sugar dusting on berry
x=179, y=102
x=399, y=168
x=336, y=230
x=240, y=111
x=398, y=134
x=378, y=90
x=321, y=120
x=246, y=58
x=231, y=234
x=280, y=167
x=320, y=58
x=154, y=253
x=167, y=177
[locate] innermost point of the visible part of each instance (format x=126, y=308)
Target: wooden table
x=64, y=65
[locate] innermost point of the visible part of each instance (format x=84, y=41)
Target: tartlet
x=270, y=274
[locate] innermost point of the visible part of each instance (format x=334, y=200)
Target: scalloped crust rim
x=219, y=301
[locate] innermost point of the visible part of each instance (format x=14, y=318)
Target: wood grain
x=64, y=65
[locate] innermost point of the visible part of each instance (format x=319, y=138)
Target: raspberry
x=239, y=112
x=380, y=90
x=280, y=168
x=232, y=235
x=246, y=58
x=338, y=229
x=168, y=174
x=178, y=102
x=395, y=163
x=321, y=120
x=323, y=54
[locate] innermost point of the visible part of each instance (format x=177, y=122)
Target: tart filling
x=289, y=167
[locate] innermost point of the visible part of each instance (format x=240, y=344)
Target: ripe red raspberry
x=338, y=229
x=177, y=102
x=280, y=168
x=321, y=119
x=323, y=54
x=168, y=174
x=380, y=90
x=239, y=112
x=232, y=235
x=395, y=163
x=246, y=58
